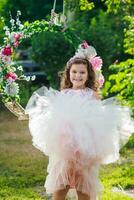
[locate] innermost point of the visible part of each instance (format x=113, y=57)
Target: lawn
x=23, y=168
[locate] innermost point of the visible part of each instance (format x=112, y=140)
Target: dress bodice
x=86, y=92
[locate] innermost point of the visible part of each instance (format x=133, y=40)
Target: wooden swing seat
x=17, y=110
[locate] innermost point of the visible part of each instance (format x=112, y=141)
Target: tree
x=121, y=81
x=52, y=50
x=32, y=9
x=74, y=9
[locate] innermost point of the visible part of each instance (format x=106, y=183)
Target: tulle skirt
x=78, y=134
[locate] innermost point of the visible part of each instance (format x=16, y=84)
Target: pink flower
x=17, y=36
x=11, y=76
x=16, y=44
x=84, y=45
x=7, y=51
x=96, y=63
x=6, y=59
x=10, y=80
x=101, y=80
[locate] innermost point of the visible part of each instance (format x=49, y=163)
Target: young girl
x=76, y=129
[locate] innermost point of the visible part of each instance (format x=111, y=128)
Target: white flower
x=6, y=59
x=33, y=77
x=20, y=68
x=21, y=26
x=18, y=22
x=18, y=12
x=27, y=78
x=10, y=80
x=12, y=89
x=11, y=37
x=6, y=28
x=7, y=33
x=9, y=68
x=12, y=21
x=13, y=69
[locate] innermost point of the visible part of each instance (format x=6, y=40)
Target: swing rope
x=54, y=15
x=54, y=5
x=63, y=17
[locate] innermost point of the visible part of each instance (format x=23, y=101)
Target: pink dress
x=78, y=133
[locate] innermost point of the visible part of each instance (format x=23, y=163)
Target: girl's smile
x=78, y=75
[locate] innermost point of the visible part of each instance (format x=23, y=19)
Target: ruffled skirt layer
x=78, y=134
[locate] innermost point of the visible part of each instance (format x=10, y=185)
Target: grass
x=117, y=175
x=23, y=168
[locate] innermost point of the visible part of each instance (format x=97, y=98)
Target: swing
x=14, y=106
x=54, y=16
x=17, y=110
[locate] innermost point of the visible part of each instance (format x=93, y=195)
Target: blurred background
x=107, y=25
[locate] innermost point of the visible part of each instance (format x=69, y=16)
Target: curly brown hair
x=65, y=75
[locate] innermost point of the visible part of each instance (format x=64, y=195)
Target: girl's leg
x=60, y=194
x=82, y=196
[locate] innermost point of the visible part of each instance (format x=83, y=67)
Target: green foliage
x=128, y=147
x=32, y=9
x=108, y=195
x=52, y=50
x=117, y=176
x=129, y=36
x=26, y=89
x=1, y=29
x=8, y=193
x=106, y=36
x=130, y=143
x=85, y=5
x=75, y=10
x=121, y=81
x=78, y=5
x=71, y=5
x=40, y=26
x=2, y=5
x=105, y=33
x=45, y=41
x=119, y=6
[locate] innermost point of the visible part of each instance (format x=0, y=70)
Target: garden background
x=109, y=27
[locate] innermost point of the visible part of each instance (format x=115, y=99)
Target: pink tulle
x=79, y=173
x=78, y=133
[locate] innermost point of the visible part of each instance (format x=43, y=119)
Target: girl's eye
x=82, y=72
x=74, y=72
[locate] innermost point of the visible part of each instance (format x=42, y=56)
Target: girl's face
x=78, y=75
